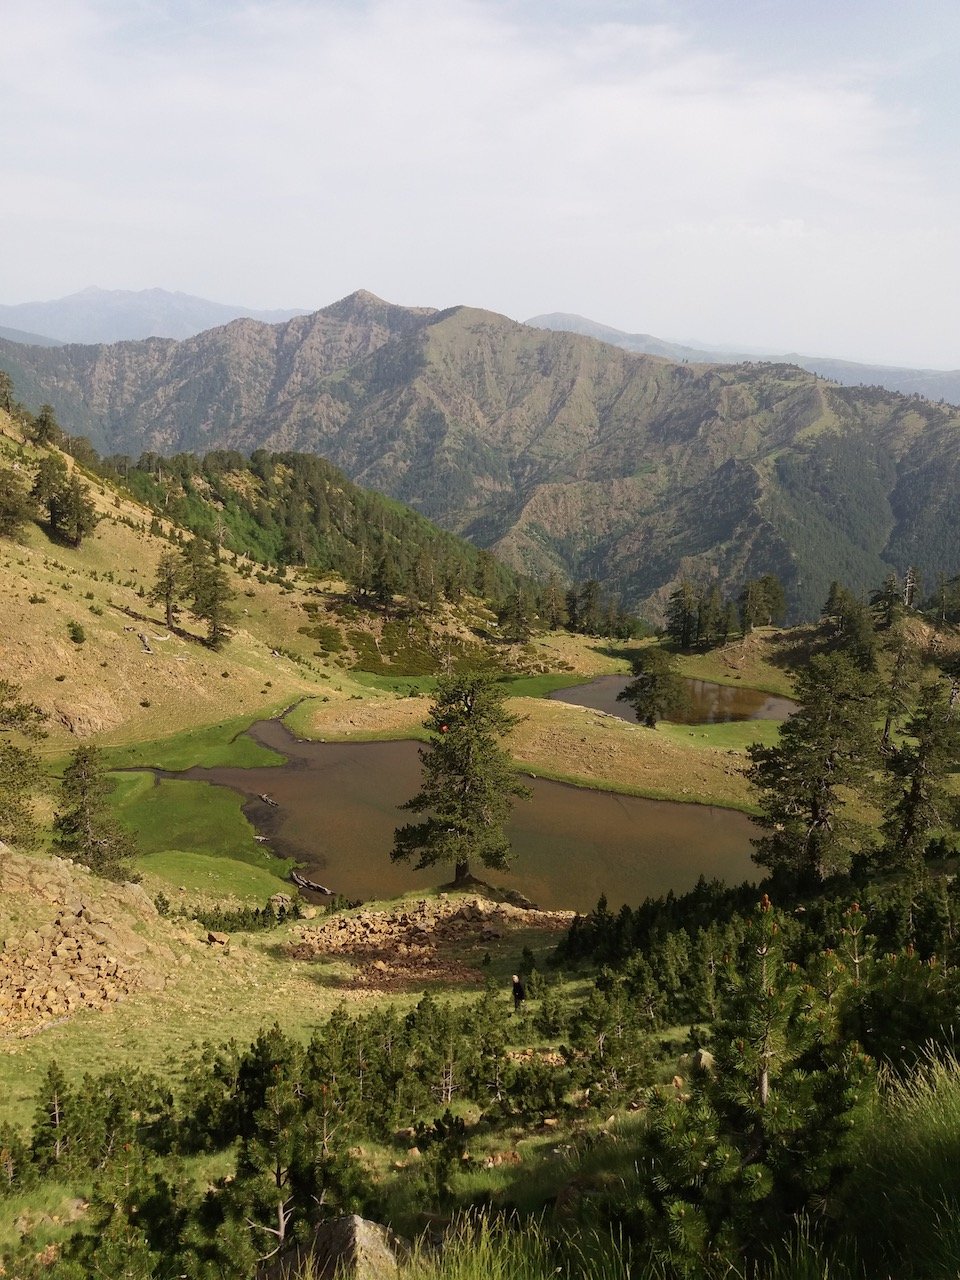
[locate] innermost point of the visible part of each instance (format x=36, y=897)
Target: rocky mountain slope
x=561, y=452
x=935, y=384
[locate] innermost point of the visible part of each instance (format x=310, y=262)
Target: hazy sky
x=772, y=174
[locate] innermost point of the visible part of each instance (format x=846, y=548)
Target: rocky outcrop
x=421, y=942
x=75, y=943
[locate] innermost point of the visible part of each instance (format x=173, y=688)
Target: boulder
x=347, y=1248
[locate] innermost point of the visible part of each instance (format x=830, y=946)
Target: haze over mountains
x=112, y=315
x=935, y=384
x=559, y=451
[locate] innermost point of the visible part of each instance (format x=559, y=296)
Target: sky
x=755, y=173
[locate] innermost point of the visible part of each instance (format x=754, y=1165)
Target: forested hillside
x=561, y=452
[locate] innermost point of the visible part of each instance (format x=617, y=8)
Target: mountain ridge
x=560, y=452
x=935, y=384
x=95, y=315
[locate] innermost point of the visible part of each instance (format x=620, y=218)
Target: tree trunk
x=461, y=870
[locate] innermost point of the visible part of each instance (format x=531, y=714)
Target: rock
x=703, y=1060
x=352, y=1248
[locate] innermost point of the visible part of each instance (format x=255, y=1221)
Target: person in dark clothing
x=519, y=991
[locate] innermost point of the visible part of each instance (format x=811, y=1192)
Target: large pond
x=337, y=805
x=709, y=703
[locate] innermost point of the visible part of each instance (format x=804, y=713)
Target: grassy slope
x=701, y=764
x=196, y=837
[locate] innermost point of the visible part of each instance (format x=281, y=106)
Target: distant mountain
x=642, y=343
x=561, y=452
x=935, y=384
x=31, y=339
x=112, y=315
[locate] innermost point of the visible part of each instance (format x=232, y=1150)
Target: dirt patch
x=420, y=943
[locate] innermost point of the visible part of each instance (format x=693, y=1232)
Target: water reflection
x=710, y=703
x=337, y=805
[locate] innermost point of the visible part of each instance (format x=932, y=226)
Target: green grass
x=169, y=816
x=540, y=686
x=410, y=685
x=218, y=877
x=757, y=672
x=44, y=1210
x=479, y=1248
x=903, y=1201
x=209, y=745
x=736, y=735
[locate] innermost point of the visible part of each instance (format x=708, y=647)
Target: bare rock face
x=347, y=1248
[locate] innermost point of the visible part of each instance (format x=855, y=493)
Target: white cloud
x=441, y=151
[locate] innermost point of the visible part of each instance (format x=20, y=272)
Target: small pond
x=709, y=703
x=337, y=804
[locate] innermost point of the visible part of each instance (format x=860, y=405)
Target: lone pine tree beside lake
x=469, y=783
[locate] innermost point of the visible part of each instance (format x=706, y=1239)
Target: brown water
x=338, y=804
x=709, y=703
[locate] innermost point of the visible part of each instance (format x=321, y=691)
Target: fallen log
x=303, y=883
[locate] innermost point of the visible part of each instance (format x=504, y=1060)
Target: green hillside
x=562, y=453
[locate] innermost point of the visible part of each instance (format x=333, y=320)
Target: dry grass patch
x=576, y=744
x=350, y=716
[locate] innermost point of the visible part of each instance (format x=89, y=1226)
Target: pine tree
x=46, y=429
x=50, y=478
x=515, y=619
x=682, y=615
x=20, y=723
x=207, y=587
x=588, y=608
x=887, y=602
x=921, y=802
x=51, y=1128
x=167, y=585
x=825, y=749
x=468, y=781
x=72, y=513
x=385, y=581
x=709, y=609
x=16, y=505
x=553, y=607
x=83, y=827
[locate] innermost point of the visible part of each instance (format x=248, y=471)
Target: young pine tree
x=84, y=828
x=20, y=723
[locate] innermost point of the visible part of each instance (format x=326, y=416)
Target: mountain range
x=112, y=315
x=935, y=384
x=560, y=452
